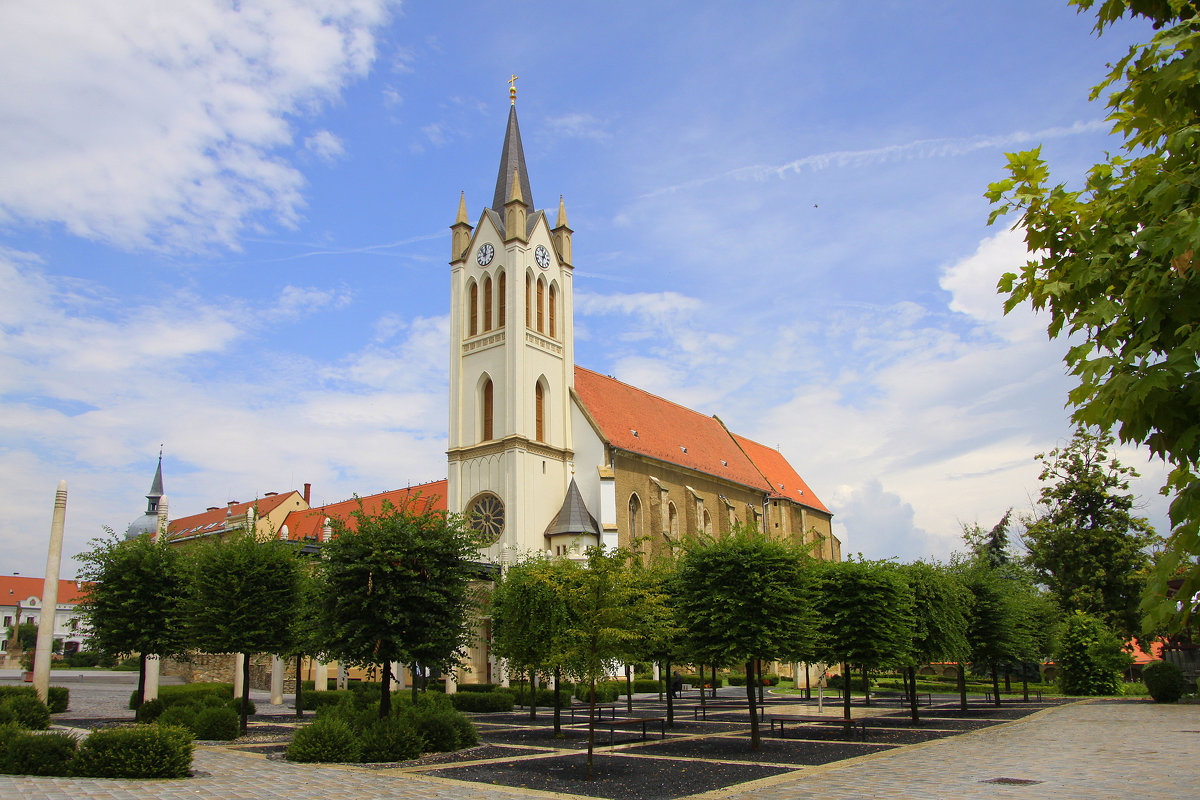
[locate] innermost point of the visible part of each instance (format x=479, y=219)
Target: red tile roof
x=639, y=422
x=785, y=481
x=307, y=524
x=18, y=588
x=210, y=521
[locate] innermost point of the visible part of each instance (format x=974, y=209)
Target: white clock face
x=484, y=256
x=542, y=256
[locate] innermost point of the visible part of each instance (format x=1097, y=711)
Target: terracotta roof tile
x=307, y=524
x=18, y=588
x=635, y=420
x=210, y=521
x=785, y=481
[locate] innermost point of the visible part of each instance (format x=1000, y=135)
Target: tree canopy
x=133, y=596
x=398, y=589
x=1115, y=265
x=1084, y=543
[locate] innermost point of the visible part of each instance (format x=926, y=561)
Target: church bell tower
x=511, y=362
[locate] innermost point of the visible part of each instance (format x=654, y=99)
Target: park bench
x=636, y=722
x=1035, y=695
x=600, y=707
x=850, y=726
x=923, y=698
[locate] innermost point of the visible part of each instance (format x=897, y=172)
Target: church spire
x=512, y=168
x=156, y=488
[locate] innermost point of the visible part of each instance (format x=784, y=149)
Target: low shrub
x=477, y=687
x=390, y=739
x=437, y=728
x=182, y=715
x=236, y=705
x=82, y=659
x=486, y=702
x=140, y=751
x=1164, y=681
x=217, y=723
x=150, y=710
x=9, y=731
x=46, y=754
x=468, y=735
x=693, y=679
x=327, y=739
x=28, y=711
x=58, y=698
x=545, y=697
x=317, y=700
x=606, y=691
x=856, y=685
x=189, y=692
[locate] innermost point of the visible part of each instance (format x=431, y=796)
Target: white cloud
x=326, y=146
x=141, y=123
x=578, y=126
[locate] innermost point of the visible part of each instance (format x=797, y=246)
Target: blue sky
x=225, y=229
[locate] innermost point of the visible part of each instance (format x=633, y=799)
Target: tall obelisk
x=45, y=638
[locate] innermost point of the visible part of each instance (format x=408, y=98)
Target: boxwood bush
x=149, y=710
x=484, y=702
x=390, y=739
x=327, y=739
x=140, y=751
x=46, y=754
x=57, y=698
x=217, y=723
x=1164, y=681
x=27, y=711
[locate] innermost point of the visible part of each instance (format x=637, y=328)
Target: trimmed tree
x=398, y=588
x=245, y=597
x=1090, y=657
x=866, y=616
x=133, y=597
x=744, y=598
x=939, y=613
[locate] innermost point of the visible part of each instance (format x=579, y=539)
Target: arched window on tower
x=707, y=523
x=672, y=522
x=539, y=404
x=541, y=306
x=502, y=299
x=487, y=304
x=635, y=525
x=487, y=411
x=473, y=299
x=551, y=306
x=528, y=298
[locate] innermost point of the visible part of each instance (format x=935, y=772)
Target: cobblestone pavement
x=1098, y=749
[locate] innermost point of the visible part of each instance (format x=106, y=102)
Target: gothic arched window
x=551, y=307
x=487, y=304
x=635, y=523
x=473, y=299
x=541, y=306
x=528, y=297
x=502, y=298
x=539, y=402
x=672, y=522
x=487, y=411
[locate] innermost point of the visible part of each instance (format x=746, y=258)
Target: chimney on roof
x=229, y=508
x=307, y=490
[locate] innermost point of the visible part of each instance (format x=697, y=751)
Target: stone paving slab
x=1100, y=749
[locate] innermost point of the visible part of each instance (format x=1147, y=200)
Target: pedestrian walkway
x=1097, y=749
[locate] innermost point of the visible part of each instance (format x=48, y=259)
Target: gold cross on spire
x=512, y=89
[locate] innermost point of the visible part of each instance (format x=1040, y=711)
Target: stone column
x=45, y=637
x=402, y=677
x=343, y=676
x=657, y=672
x=321, y=677
x=452, y=680
x=238, y=658
x=276, y=681
x=153, y=667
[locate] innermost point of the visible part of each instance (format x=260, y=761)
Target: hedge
x=141, y=751
x=483, y=702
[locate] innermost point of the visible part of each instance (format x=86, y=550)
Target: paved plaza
x=1092, y=749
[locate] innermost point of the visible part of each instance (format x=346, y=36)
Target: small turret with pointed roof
x=149, y=522
x=561, y=235
x=515, y=211
x=461, y=238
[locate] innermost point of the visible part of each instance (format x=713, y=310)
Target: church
x=545, y=455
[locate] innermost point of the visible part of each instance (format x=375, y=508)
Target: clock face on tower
x=542, y=256
x=484, y=256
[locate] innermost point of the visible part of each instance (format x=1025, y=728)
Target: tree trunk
x=629, y=688
x=1008, y=678
x=591, y=724
x=912, y=694
x=141, y=698
x=532, y=695
x=666, y=670
x=385, y=691
x=995, y=685
x=846, y=690
x=754, y=743
x=962, y=687
x=412, y=670
x=1025, y=684
x=557, y=701
x=245, y=690
x=807, y=682
x=704, y=705
x=758, y=679
x=299, y=687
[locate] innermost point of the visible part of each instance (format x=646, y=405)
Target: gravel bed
x=615, y=776
x=771, y=750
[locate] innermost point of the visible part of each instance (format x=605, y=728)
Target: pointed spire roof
x=561, y=222
x=512, y=168
x=461, y=219
x=156, y=486
x=574, y=516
